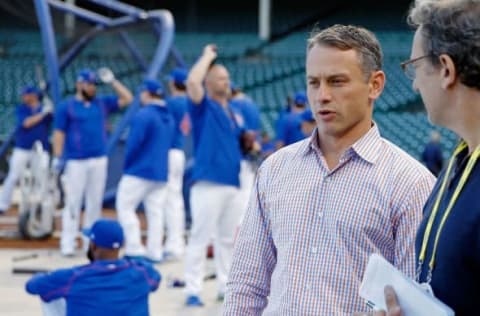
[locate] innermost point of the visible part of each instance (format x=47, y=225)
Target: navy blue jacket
x=456, y=276
x=150, y=138
x=105, y=287
x=432, y=157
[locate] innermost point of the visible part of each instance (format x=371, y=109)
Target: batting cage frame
x=163, y=25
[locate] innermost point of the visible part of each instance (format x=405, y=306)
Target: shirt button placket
x=307, y=286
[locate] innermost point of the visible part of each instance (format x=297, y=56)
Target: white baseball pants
x=18, y=162
x=174, y=206
x=131, y=191
x=84, y=179
x=214, y=211
x=56, y=307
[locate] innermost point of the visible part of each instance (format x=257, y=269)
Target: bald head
x=217, y=81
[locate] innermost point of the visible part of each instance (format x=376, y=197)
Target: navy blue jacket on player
x=178, y=107
x=151, y=135
x=105, y=287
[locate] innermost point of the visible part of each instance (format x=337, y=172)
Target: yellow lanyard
x=466, y=173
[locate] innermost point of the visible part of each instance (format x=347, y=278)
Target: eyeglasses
x=408, y=66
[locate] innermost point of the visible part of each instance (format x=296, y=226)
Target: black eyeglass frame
x=407, y=66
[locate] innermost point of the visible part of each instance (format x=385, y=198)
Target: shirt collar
x=367, y=147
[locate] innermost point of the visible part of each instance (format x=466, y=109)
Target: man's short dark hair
x=345, y=37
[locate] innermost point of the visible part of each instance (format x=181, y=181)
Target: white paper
x=413, y=300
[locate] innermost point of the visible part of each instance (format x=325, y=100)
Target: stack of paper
x=413, y=300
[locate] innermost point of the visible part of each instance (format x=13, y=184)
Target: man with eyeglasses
x=410, y=65
x=445, y=67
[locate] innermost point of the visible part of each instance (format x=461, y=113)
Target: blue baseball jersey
x=104, y=287
x=216, y=135
x=178, y=106
x=289, y=128
x=150, y=138
x=25, y=137
x=250, y=113
x=85, y=126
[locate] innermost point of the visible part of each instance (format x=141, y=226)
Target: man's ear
x=376, y=84
x=448, y=72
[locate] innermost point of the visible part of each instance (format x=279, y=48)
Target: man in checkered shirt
x=321, y=206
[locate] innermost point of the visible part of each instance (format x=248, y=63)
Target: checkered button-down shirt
x=308, y=232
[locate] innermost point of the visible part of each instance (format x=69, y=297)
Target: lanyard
x=466, y=173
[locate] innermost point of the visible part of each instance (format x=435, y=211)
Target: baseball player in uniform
x=289, y=129
x=33, y=122
x=106, y=286
x=216, y=131
x=80, y=138
x=174, y=206
x=145, y=173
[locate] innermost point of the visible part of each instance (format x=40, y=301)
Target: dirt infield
x=11, y=239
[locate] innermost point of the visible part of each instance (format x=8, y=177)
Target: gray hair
x=345, y=37
x=451, y=27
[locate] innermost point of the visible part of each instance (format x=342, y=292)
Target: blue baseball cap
x=106, y=233
x=300, y=98
x=31, y=89
x=178, y=75
x=307, y=116
x=88, y=76
x=153, y=86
